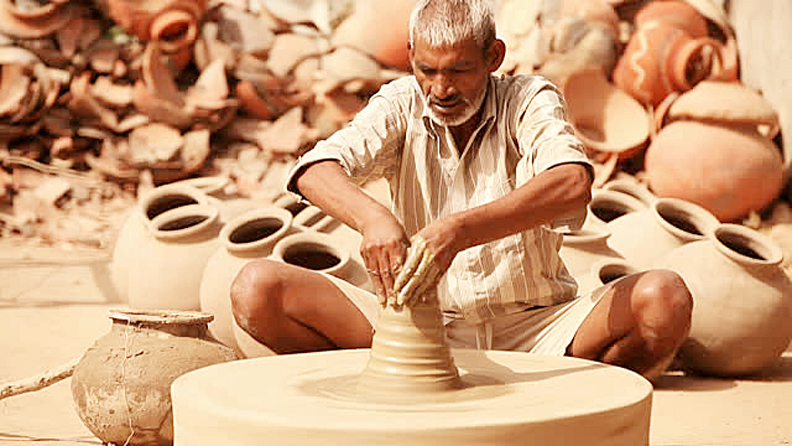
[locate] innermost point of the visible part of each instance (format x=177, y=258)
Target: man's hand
x=383, y=249
x=430, y=255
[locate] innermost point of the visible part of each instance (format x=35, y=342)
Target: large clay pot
x=247, y=237
x=121, y=386
x=230, y=205
x=169, y=264
x=133, y=230
x=742, y=301
x=607, y=205
x=580, y=250
x=604, y=271
x=631, y=186
x=728, y=170
x=642, y=237
x=606, y=119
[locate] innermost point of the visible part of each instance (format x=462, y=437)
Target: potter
x=485, y=172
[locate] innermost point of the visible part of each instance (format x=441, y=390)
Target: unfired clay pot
x=604, y=271
x=133, y=230
x=607, y=205
x=121, y=386
x=167, y=266
x=742, y=301
x=728, y=170
x=606, y=119
x=247, y=237
x=633, y=188
x=230, y=205
x=580, y=250
x=644, y=236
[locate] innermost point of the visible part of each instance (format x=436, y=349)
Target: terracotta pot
x=580, y=250
x=121, y=386
x=249, y=236
x=678, y=14
x=168, y=264
x=605, y=118
x=607, y=205
x=633, y=188
x=742, y=301
x=133, y=230
x=660, y=59
x=643, y=237
x=604, y=271
x=729, y=171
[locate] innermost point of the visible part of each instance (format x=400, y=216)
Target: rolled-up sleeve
x=368, y=147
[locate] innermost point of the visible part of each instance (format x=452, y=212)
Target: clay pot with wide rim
x=121, y=385
x=247, y=237
x=742, y=301
x=168, y=265
x=230, y=205
x=133, y=230
x=643, y=237
x=582, y=249
x=728, y=170
x=607, y=205
x=604, y=271
x=631, y=187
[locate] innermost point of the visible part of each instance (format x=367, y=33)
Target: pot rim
x=210, y=213
x=313, y=239
x=622, y=266
x=209, y=185
x=623, y=201
x=170, y=190
x=160, y=317
x=750, y=239
x=697, y=216
x=260, y=214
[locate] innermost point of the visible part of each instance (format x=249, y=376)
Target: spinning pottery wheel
x=409, y=390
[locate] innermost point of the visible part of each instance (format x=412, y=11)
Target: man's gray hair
x=447, y=22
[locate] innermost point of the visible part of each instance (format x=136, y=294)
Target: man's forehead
x=465, y=51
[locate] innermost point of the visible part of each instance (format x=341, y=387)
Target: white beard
x=470, y=110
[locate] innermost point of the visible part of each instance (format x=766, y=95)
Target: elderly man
x=481, y=170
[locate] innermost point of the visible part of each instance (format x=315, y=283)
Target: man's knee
x=255, y=292
x=663, y=305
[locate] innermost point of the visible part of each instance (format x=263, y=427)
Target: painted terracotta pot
x=607, y=205
x=728, y=170
x=247, y=237
x=168, y=265
x=133, y=230
x=678, y=14
x=121, y=386
x=643, y=237
x=580, y=250
x=742, y=301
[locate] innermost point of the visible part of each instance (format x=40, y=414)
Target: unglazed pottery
x=730, y=171
x=121, y=386
x=607, y=205
x=167, y=266
x=580, y=250
x=742, y=301
x=632, y=187
x=605, y=118
x=605, y=271
x=174, y=23
x=249, y=236
x=643, y=237
x=133, y=230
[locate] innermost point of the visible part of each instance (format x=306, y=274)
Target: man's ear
x=496, y=54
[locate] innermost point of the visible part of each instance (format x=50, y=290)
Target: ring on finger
x=373, y=272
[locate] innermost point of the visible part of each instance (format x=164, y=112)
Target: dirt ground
x=53, y=305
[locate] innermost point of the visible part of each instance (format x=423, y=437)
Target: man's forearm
x=326, y=185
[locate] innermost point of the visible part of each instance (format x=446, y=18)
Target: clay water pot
x=661, y=59
x=580, y=250
x=134, y=228
x=247, y=237
x=604, y=271
x=633, y=188
x=168, y=265
x=607, y=205
x=730, y=171
x=605, y=118
x=643, y=237
x=742, y=301
x=121, y=386
x=230, y=205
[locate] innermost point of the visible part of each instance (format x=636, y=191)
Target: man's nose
x=442, y=87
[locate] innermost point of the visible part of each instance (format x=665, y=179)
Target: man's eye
x=429, y=71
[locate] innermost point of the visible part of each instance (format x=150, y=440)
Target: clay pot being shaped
x=167, y=268
x=661, y=59
x=643, y=237
x=606, y=119
x=605, y=271
x=121, y=386
x=580, y=250
x=728, y=170
x=133, y=230
x=607, y=205
x=247, y=237
x=742, y=301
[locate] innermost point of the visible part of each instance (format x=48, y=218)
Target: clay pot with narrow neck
x=134, y=228
x=167, y=269
x=121, y=385
x=643, y=237
x=580, y=250
x=247, y=237
x=742, y=301
x=607, y=205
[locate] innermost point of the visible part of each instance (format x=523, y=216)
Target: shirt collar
x=488, y=104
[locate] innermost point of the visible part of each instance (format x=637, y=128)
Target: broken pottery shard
x=288, y=50
x=244, y=32
x=287, y=135
x=196, y=149
x=153, y=143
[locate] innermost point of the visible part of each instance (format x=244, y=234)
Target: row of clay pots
x=181, y=248
x=742, y=296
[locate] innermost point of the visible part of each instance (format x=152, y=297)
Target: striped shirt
x=523, y=131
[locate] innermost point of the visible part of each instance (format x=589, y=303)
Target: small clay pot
x=742, y=301
x=582, y=249
x=607, y=205
x=121, y=386
x=605, y=271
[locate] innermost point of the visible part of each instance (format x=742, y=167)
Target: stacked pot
x=742, y=297
x=182, y=246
